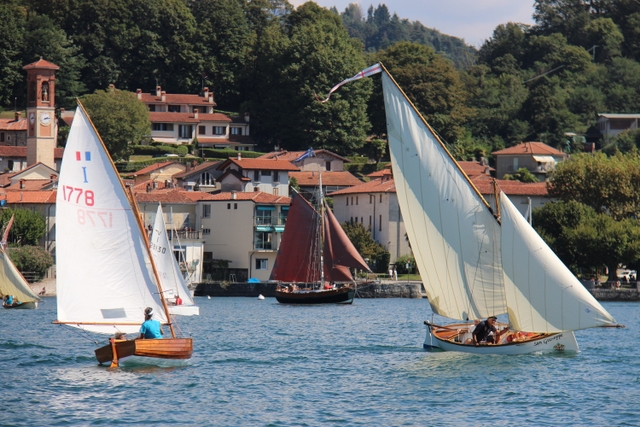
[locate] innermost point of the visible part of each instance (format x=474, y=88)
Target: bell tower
x=42, y=130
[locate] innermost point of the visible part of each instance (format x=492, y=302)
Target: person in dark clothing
x=486, y=332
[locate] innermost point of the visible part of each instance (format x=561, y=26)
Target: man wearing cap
x=150, y=329
x=486, y=332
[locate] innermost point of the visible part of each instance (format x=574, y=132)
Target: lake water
x=259, y=363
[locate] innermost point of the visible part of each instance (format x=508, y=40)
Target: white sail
x=542, y=294
x=166, y=264
x=12, y=282
x=104, y=279
x=454, y=237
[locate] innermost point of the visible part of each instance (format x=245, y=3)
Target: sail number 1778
x=78, y=195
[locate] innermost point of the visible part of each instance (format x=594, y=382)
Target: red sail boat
x=315, y=254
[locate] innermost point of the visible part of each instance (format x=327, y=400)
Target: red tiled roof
x=512, y=188
x=234, y=173
x=306, y=179
x=196, y=170
x=13, y=124
x=166, y=117
x=531, y=148
x=22, y=197
x=176, y=98
x=374, y=186
x=28, y=185
x=154, y=167
x=13, y=151
x=171, y=196
x=255, y=196
x=261, y=164
x=41, y=63
x=382, y=172
x=292, y=155
x=474, y=168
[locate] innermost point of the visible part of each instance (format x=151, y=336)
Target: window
x=256, y=189
x=228, y=205
x=162, y=127
x=174, y=108
x=347, y=201
x=276, y=176
x=265, y=173
x=263, y=216
x=515, y=163
x=380, y=198
x=206, y=211
x=152, y=107
x=207, y=179
x=202, y=130
x=1, y=136
x=10, y=164
x=206, y=231
x=235, y=206
x=256, y=175
x=263, y=240
x=371, y=198
x=219, y=130
x=356, y=200
x=236, y=131
x=262, y=264
x=185, y=131
x=351, y=200
x=327, y=166
x=380, y=224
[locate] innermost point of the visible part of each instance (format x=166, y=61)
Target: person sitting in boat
x=466, y=335
x=150, y=329
x=178, y=300
x=486, y=333
x=9, y=301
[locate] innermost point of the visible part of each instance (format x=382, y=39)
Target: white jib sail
x=542, y=294
x=104, y=280
x=170, y=276
x=454, y=237
x=12, y=282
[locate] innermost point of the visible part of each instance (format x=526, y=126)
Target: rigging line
x=542, y=75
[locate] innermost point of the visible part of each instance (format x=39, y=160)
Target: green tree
x=28, y=226
x=314, y=54
x=12, y=30
x=368, y=248
x=522, y=175
x=431, y=83
x=31, y=259
x=120, y=118
x=606, y=184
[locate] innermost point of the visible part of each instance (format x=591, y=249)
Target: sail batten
x=103, y=261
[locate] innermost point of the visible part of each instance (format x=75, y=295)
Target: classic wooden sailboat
x=12, y=283
x=477, y=261
x=105, y=273
x=173, y=283
x=315, y=254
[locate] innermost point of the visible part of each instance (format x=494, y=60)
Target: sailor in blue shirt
x=150, y=328
x=8, y=300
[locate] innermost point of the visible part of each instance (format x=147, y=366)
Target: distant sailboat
x=105, y=273
x=315, y=254
x=173, y=282
x=476, y=261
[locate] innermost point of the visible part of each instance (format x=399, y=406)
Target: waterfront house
x=537, y=157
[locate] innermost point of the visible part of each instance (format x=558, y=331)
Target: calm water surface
x=259, y=363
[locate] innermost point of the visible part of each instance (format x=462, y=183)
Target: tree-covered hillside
x=535, y=82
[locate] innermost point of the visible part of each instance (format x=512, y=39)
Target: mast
x=321, y=234
x=136, y=212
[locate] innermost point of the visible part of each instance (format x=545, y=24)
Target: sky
x=472, y=20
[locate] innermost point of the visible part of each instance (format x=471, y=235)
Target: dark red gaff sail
x=339, y=252
x=297, y=260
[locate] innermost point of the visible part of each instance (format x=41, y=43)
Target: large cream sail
x=12, y=282
x=542, y=294
x=104, y=278
x=454, y=236
x=168, y=270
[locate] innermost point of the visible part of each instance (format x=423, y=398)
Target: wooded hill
x=262, y=56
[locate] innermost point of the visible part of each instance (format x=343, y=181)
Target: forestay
x=104, y=277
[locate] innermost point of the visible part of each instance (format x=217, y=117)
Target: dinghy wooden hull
x=184, y=310
x=342, y=295
x=165, y=348
x=443, y=339
x=31, y=305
